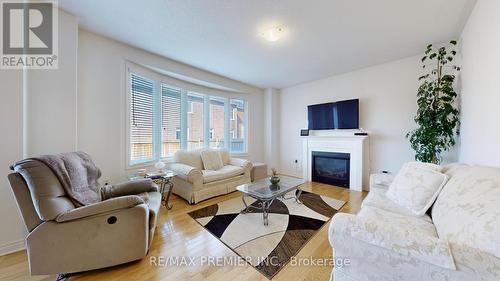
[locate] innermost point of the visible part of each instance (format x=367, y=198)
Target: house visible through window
x=237, y=126
x=195, y=121
x=234, y=113
x=217, y=120
x=164, y=119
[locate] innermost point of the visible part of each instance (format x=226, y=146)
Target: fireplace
x=331, y=168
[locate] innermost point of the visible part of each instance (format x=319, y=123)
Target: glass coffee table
x=265, y=193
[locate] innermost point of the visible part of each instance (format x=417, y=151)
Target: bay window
x=164, y=117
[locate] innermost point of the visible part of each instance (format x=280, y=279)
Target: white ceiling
x=324, y=37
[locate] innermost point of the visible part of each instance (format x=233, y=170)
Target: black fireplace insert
x=331, y=168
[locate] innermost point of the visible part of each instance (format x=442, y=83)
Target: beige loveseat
x=195, y=183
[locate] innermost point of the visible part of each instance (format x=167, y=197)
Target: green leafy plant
x=437, y=114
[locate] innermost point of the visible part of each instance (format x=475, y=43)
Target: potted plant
x=437, y=115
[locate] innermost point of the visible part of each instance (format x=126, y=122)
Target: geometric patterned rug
x=268, y=248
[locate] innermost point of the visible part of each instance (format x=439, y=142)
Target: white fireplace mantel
x=356, y=146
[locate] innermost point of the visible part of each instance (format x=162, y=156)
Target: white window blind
x=141, y=119
x=170, y=120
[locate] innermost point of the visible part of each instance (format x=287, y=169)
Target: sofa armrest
x=186, y=172
x=245, y=164
x=394, y=238
x=106, y=206
x=382, y=181
x=129, y=188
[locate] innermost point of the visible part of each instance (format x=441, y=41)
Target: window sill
x=239, y=154
x=149, y=164
x=139, y=165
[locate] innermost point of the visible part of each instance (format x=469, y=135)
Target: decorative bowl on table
x=274, y=180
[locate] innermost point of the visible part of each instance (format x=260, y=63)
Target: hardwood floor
x=177, y=234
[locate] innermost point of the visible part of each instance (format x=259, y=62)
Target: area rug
x=268, y=248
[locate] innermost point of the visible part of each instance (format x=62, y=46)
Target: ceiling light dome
x=273, y=33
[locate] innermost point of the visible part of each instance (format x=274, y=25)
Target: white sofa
x=461, y=241
x=194, y=183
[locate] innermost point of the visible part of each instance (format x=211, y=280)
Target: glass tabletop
x=165, y=175
x=263, y=189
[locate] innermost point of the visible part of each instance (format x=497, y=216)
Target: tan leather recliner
x=65, y=239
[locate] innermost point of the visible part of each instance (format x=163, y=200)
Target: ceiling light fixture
x=273, y=34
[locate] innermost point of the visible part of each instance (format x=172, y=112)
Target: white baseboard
x=12, y=247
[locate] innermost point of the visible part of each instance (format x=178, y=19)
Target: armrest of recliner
x=423, y=247
x=103, y=207
x=245, y=164
x=187, y=173
x=129, y=188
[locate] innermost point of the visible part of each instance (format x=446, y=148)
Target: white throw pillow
x=212, y=159
x=415, y=188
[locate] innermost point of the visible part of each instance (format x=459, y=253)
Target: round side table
x=163, y=181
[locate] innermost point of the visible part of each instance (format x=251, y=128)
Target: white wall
x=480, y=136
x=272, y=126
x=101, y=100
x=51, y=97
x=387, y=96
x=11, y=150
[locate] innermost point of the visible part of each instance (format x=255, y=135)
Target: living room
x=250, y=140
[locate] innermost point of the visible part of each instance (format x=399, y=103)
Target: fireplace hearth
x=331, y=168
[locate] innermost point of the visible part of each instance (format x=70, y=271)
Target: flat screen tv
x=334, y=115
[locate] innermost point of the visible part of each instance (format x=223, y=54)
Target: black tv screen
x=334, y=115
x=320, y=116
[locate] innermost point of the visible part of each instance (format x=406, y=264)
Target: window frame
x=159, y=80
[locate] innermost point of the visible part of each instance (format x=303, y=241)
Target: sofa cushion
x=189, y=157
x=224, y=153
x=467, y=211
x=409, y=223
x=415, y=188
x=225, y=172
x=376, y=198
x=212, y=159
x=425, y=166
x=451, y=169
